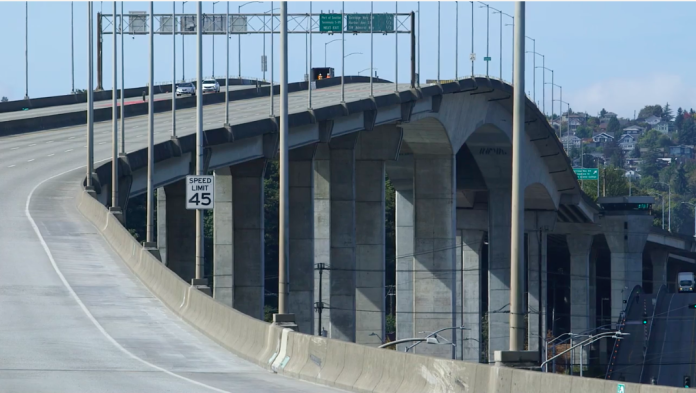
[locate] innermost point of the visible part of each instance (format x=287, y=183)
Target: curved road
x=74, y=316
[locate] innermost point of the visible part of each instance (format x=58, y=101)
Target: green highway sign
x=621, y=388
x=587, y=173
x=361, y=22
x=329, y=23
x=486, y=58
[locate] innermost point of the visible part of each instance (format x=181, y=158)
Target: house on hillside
x=627, y=142
x=602, y=138
x=570, y=141
x=602, y=127
x=575, y=123
x=653, y=120
x=662, y=127
x=682, y=152
x=633, y=130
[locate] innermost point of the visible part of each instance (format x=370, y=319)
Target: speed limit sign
x=200, y=192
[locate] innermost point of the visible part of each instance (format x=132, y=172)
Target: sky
x=600, y=57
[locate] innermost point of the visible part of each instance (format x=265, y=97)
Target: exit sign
x=330, y=23
x=587, y=173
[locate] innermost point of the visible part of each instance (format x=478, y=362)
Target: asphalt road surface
x=74, y=317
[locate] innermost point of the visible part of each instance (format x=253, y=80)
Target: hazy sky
x=601, y=57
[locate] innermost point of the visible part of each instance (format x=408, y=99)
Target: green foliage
x=602, y=113
x=667, y=113
x=614, y=128
x=636, y=151
x=391, y=323
x=4, y=99
x=648, y=165
x=271, y=184
x=583, y=132
x=680, y=183
x=592, y=122
x=614, y=179
x=590, y=188
x=390, y=232
x=679, y=119
x=268, y=312
x=650, y=139
x=650, y=110
x=687, y=136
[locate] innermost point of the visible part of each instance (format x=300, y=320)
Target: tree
x=592, y=122
x=648, y=165
x=4, y=99
x=602, y=113
x=667, y=113
x=583, y=132
x=687, y=136
x=680, y=183
x=650, y=139
x=679, y=119
x=614, y=127
x=615, y=181
x=636, y=151
x=650, y=110
x=664, y=141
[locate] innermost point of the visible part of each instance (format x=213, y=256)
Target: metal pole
x=150, y=129
x=663, y=211
x=26, y=50
x=456, y=41
x=284, y=219
x=271, y=90
x=227, y=68
x=114, y=115
x=123, y=73
x=472, y=40
x=72, y=45
x=239, y=44
x=183, y=46
x=543, y=81
x=212, y=38
x=534, y=65
x=501, y=45
x=396, y=47
x=372, y=46
x=343, y=51
x=488, y=14
x=552, y=94
x=438, y=42
x=200, y=250
x=320, y=302
x=309, y=65
x=517, y=238
x=90, y=96
x=173, y=69
x=669, y=217
x=418, y=38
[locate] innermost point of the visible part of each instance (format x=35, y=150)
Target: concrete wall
x=336, y=363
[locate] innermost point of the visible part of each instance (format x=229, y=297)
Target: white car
x=185, y=88
x=211, y=86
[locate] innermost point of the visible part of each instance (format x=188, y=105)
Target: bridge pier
x=176, y=232
x=499, y=221
x=659, y=257
x=223, y=236
x=470, y=242
x=537, y=235
x=579, y=247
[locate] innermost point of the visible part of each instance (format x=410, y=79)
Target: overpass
x=456, y=138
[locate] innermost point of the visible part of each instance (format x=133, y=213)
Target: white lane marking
x=82, y=305
x=72, y=137
x=14, y=148
x=101, y=143
x=49, y=141
x=69, y=150
x=33, y=144
x=11, y=166
x=31, y=160
x=51, y=155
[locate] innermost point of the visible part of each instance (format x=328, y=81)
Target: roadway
x=672, y=351
x=54, y=110
x=73, y=313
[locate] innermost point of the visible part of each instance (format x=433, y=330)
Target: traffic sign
x=329, y=23
x=621, y=388
x=200, y=192
x=472, y=56
x=361, y=22
x=587, y=173
x=487, y=58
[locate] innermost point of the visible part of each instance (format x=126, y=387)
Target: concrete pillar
x=301, y=299
x=537, y=288
x=579, y=247
x=434, y=254
x=369, y=252
x=161, y=224
x=223, y=245
x=343, y=231
x=470, y=242
x=404, y=265
x=626, y=236
x=499, y=222
x=659, y=257
x=180, y=237
x=248, y=236
x=322, y=231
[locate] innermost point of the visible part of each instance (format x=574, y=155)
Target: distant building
x=627, y=142
x=681, y=151
x=662, y=127
x=633, y=130
x=633, y=175
x=570, y=141
x=653, y=120
x=602, y=138
x=575, y=123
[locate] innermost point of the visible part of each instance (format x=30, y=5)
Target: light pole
x=123, y=87
x=114, y=119
x=149, y=235
x=183, y=45
x=544, y=76
x=533, y=51
x=173, y=69
x=616, y=335
x=500, y=60
x=543, y=80
x=227, y=66
x=325, y=44
x=72, y=45
x=488, y=15
x=284, y=217
x=212, y=37
x=560, y=126
x=239, y=39
x=200, y=235
x=367, y=69
x=353, y=53
x=90, y=95
x=513, y=40
x=669, y=207
x=26, y=50
x=694, y=206
x=265, y=65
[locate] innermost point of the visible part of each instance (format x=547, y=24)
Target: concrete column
x=223, y=245
x=626, y=236
x=499, y=211
x=343, y=231
x=180, y=238
x=434, y=254
x=537, y=288
x=404, y=265
x=161, y=224
x=301, y=299
x=579, y=247
x=322, y=231
x=369, y=252
x=659, y=257
x=470, y=242
x=248, y=234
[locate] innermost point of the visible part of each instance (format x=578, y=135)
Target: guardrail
x=660, y=292
x=621, y=325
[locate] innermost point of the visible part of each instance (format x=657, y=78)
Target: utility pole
x=149, y=238
x=90, y=99
x=99, y=53
x=517, y=225
x=212, y=36
x=72, y=45
x=26, y=50
x=200, y=237
x=284, y=218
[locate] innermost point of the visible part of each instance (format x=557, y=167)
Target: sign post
x=330, y=23
x=587, y=173
x=200, y=192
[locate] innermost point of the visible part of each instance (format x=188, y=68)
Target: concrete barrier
x=341, y=364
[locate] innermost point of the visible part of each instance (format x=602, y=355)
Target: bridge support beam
x=499, y=222
x=659, y=257
x=579, y=247
x=404, y=264
x=161, y=224
x=434, y=254
x=301, y=299
x=223, y=244
x=179, y=238
x=537, y=253
x=470, y=242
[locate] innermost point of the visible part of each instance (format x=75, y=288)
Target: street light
x=544, y=76
x=616, y=335
x=325, y=44
x=669, y=216
x=212, y=36
x=183, y=45
x=694, y=206
x=354, y=53
x=239, y=38
x=366, y=69
x=533, y=66
x=435, y=335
